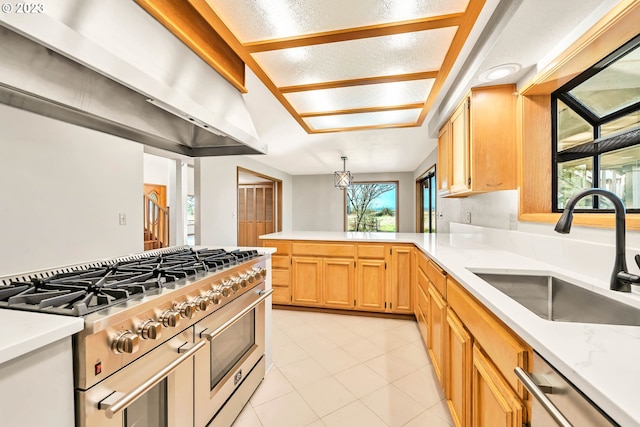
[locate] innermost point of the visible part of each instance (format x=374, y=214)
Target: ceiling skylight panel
x=379, y=118
x=348, y=98
x=254, y=20
x=376, y=56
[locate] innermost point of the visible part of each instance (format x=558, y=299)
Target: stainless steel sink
x=555, y=299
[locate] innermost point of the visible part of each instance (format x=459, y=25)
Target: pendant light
x=342, y=179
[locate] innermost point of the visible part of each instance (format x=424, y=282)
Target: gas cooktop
x=83, y=289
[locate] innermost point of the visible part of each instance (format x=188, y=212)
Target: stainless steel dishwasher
x=556, y=402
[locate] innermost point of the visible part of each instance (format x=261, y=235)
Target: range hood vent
x=82, y=82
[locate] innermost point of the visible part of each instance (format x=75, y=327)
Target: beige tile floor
x=346, y=371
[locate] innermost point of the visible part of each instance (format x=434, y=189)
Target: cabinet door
x=458, y=370
x=339, y=283
x=307, y=280
x=444, y=159
x=494, y=404
x=401, y=284
x=436, y=331
x=371, y=285
x=460, y=167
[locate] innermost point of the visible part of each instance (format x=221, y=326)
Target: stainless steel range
x=172, y=337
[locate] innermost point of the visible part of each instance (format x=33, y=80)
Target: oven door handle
x=263, y=296
x=527, y=381
x=117, y=401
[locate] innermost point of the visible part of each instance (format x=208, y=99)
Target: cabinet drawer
x=438, y=277
x=323, y=249
x=283, y=247
x=281, y=295
x=280, y=277
x=371, y=251
x=423, y=281
x=423, y=300
x=505, y=349
x=280, y=261
x=423, y=263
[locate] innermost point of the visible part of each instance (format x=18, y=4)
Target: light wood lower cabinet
x=494, y=403
x=458, y=348
x=306, y=277
x=371, y=285
x=338, y=281
x=401, y=300
x=436, y=328
x=280, y=270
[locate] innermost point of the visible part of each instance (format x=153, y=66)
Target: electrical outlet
x=122, y=218
x=467, y=218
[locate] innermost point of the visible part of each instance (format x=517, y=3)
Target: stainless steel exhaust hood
x=111, y=67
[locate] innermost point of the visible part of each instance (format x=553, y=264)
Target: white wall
x=62, y=188
x=217, y=197
x=319, y=206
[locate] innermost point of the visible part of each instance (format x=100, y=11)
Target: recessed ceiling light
x=499, y=72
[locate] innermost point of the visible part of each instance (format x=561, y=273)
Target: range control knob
x=125, y=342
x=250, y=276
x=187, y=309
x=235, y=284
x=261, y=271
x=150, y=330
x=214, y=296
x=170, y=318
x=243, y=280
x=202, y=303
x=225, y=289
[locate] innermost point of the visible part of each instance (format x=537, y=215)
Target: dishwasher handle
x=537, y=392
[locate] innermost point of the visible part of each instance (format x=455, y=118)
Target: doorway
x=427, y=198
x=156, y=217
x=259, y=206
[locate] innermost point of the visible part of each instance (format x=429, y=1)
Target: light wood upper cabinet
x=338, y=280
x=444, y=159
x=477, y=145
x=401, y=288
x=460, y=145
x=306, y=281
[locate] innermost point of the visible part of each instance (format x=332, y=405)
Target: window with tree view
x=372, y=206
x=596, y=132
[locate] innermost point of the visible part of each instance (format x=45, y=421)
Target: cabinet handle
x=546, y=403
x=494, y=185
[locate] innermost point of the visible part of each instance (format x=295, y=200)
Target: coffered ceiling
x=340, y=65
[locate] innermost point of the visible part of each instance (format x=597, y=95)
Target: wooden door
x=371, y=285
x=155, y=217
x=436, y=328
x=256, y=212
x=460, y=164
x=458, y=353
x=401, y=279
x=339, y=283
x=494, y=403
x=306, y=280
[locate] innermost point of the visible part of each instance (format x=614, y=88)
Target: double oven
x=188, y=354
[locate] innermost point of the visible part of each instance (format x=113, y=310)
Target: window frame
x=533, y=119
x=562, y=94
x=397, y=201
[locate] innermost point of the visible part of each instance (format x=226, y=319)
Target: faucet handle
x=637, y=258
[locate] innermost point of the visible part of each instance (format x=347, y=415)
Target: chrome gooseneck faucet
x=621, y=280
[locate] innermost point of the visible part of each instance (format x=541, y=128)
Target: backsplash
x=495, y=210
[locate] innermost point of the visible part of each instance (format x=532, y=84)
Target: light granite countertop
x=601, y=360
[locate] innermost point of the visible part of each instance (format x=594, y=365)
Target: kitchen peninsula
x=307, y=265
